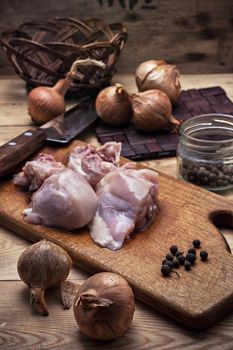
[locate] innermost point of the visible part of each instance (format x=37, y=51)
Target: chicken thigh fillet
x=65, y=200
x=127, y=202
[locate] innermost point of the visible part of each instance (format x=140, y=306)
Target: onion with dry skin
x=159, y=75
x=152, y=111
x=41, y=266
x=113, y=105
x=45, y=103
x=104, y=306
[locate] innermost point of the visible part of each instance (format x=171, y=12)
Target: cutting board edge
x=196, y=321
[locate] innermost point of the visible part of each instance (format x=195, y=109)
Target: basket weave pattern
x=42, y=52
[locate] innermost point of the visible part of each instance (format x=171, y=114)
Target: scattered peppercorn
x=181, y=259
x=176, y=258
x=176, y=263
x=165, y=270
x=169, y=256
x=196, y=243
x=204, y=255
x=187, y=265
x=169, y=263
x=191, y=258
x=173, y=249
x=178, y=253
x=192, y=251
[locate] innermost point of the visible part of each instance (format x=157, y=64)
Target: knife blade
x=62, y=129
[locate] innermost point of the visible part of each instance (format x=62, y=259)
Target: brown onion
x=104, y=306
x=113, y=105
x=45, y=103
x=159, y=75
x=41, y=266
x=152, y=111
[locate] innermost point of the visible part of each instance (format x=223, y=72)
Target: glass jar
x=205, y=151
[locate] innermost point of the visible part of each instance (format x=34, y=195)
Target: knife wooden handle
x=18, y=149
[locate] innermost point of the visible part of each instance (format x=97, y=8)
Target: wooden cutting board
x=197, y=298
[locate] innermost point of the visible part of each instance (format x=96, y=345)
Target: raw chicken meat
x=94, y=163
x=127, y=202
x=65, y=200
x=37, y=170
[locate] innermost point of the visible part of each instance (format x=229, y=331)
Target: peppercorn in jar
x=205, y=151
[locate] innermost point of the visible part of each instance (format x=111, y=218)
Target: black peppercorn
x=196, y=243
x=169, y=263
x=169, y=256
x=191, y=258
x=187, y=265
x=181, y=259
x=165, y=270
x=176, y=263
x=173, y=249
x=206, y=175
x=192, y=251
x=204, y=255
x=178, y=253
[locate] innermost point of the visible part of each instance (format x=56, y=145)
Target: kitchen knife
x=61, y=129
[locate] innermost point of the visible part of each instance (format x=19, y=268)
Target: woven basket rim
x=59, y=41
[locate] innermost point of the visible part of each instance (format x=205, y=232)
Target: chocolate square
x=215, y=90
x=154, y=147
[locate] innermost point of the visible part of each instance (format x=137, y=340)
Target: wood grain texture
x=150, y=330
x=25, y=328
x=183, y=216
x=195, y=35
x=11, y=246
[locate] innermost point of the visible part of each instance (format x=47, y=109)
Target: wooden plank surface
x=195, y=35
x=150, y=330
x=139, y=260
x=22, y=328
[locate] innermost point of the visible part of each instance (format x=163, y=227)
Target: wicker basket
x=43, y=51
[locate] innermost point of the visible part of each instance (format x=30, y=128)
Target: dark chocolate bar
x=138, y=145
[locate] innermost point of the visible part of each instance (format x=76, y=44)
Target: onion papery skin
x=156, y=74
x=152, y=111
x=113, y=106
x=104, y=306
x=44, y=104
x=41, y=266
